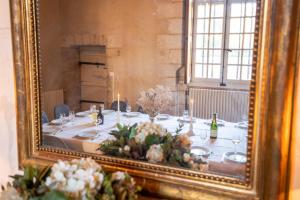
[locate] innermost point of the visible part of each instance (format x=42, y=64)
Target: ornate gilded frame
x=270, y=113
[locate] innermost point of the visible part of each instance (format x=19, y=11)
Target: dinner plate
x=162, y=116
x=242, y=125
x=105, y=112
x=219, y=122
x=49, y=130
x=86, y=135
x=82, y=114
x=131, y=114
x=186, y=119
x=200, y=151
x=55, y=122
x=237, y=157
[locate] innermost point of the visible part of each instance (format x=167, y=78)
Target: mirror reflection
x=113, y=80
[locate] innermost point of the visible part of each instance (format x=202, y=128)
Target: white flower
x=148, y=128
x=118, y=176
x=127, y=148
x=155, y=154
x=59, y=176
x=186, y=157
x=120, y=150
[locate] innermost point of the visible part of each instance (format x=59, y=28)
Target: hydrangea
x=148, y=128
x=77, y=176
x=155, y=153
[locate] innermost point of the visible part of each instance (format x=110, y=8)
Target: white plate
x=86, y=135
x=200, y=151
x=55, y=122
x=219, y=122
x=186, y=119
x=82, y=114
x=162, y=116
x=242, y=125
x=105, y=112
x=239, y=157
x=49, y=130
x=131, y=114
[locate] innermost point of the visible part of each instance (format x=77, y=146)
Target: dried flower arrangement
x=155, y=100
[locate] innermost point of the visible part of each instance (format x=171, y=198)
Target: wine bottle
x=100, y=117
x=214, y=127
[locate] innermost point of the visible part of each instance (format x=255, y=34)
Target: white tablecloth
x=84, y=124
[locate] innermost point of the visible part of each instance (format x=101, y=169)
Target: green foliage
x=152, y=139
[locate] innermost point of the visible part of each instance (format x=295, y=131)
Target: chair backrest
x=140, y=109
x=61, y=109
x=123, y=105
x=53, y=141
x=44, y=118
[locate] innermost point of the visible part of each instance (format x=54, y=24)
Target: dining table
x=82, y=134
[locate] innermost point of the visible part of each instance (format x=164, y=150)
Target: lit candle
x=118, y=102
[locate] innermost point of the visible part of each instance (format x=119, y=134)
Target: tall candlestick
x=191, y=107
x=191, y=132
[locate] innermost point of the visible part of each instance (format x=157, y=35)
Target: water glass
x=185, y=114
x=128, y=108
x=62, y=120
x=93, y=108
x=236, y=139
x=71, y=115
x=203, y=135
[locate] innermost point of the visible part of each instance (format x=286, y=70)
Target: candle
x=118, y=102
x=191, y=107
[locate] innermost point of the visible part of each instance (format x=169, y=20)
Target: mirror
x=130, y=60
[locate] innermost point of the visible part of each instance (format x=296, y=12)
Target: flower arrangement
x=76, y=179
x=155, y=100
x=151, y=142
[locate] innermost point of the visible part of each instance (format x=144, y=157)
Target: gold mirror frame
x=268, y=149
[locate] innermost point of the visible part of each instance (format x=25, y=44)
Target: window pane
x=250, y=9
x=248, y=41
x=203, y=10
x=234, y=57
x=247, y=57
x=201, y=56
x=235, y=41
x=216, y=26
x=201, y=41
x=213, y=71
x=250, y=24
x=237, y=9
x=236, y=25
x=215, y=56
x=217, y=10
x=198, y=71
x=245, y=73
x=232, y=72
x=202, y=25
x=215, y=41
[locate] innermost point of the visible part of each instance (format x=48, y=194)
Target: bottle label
x=213, y=133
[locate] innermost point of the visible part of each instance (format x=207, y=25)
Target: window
x=223, y=37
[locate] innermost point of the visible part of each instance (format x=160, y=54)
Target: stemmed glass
x=236, y=139
x=203, y=135
x=128, y=108
x=185, y=114
x=71, y=116
x=61, y=121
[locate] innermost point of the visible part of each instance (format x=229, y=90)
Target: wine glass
x=92, y=108
x=203, y=135
x=185, y=114
x=62, y=120
x=236, y=139
x=71, y=115
x=128, y=108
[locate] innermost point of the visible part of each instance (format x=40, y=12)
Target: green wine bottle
x=214, y=127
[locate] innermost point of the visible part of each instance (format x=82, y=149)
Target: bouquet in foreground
x=76, y=179
x=151, y=142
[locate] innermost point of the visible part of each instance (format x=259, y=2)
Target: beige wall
x=8, y=142
x=143, y=39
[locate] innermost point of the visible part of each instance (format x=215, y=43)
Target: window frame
x=222, y=81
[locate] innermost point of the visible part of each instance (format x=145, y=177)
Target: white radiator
x=50, y=99
x=230, y=105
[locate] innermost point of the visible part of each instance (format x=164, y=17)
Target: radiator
x=50, y=99
x=230, y=105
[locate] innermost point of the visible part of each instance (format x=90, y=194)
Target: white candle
x=191, y=107
x=118, y=102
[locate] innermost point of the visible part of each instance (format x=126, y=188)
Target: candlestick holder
x=191, y=131
x=118, y=117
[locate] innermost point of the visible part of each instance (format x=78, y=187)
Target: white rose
x=155, y=154
x=126, y=148
x=59, y=176
x=118, y=176
x=186, y=157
